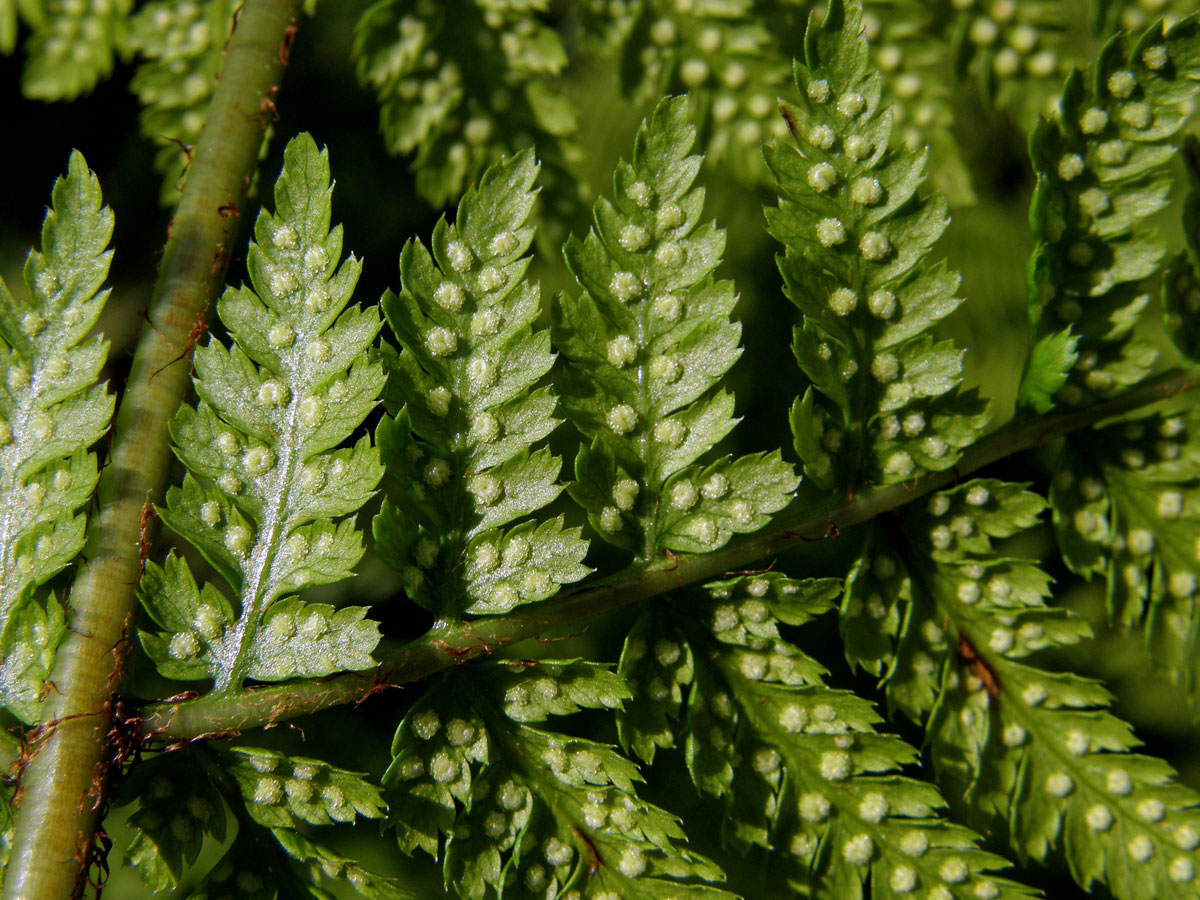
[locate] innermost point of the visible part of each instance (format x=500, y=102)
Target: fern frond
x=800, y=767
x=181, y=43
x=1014, y=51
x=182, y=797
x=1102, y=172
x=280, y=795
x=51, y=411
x=727, y=60
x=30, y=644
x=284, y=791
x=1126, y=505
x=526, y=811
x=175, y=810
x=1033, y=753
x=1133, y=15
x=1123, y=495
x=648, y=341
x=74, y=46
x=883, y=636
x=266, y=492
x=908, y=47
x=463, y=83
x=1181, y=280
x=460, y=447
x=885, y=404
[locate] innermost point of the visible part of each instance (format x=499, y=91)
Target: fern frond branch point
x=450, y=645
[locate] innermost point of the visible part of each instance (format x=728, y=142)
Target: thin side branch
x=77, y=751
x=447, y=646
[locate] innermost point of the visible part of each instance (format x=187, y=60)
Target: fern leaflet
x=1126, y=506
x=459, y=446
x=1181, y=280
x=648, y=341
x=265, y=484
x=800, y=767
x=73, y=46
x=1102, y=173
x=51, y=411
x=183, y=796
x=855, y=235
x=463, y=83
x=728, y=60
x=174, y=812
x=1032, y=752
x=527, y=811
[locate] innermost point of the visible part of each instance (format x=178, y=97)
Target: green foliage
x=1126, y=505
x=1012, y=50
x=51, y=411
x=1181, y=279
x=175, y=811
x=183, y=797
x=800, y=767
x=1031, y=751
x=884, y=403
x=1102, y=172
x=1110, y=15
x=942, y=580
x=266, y=490
x=458, y=447
x=73, y=46
x=526, y=812
x=725, y=56
x=463, y=83
x=648, y=341
x=181, y=43
x=283, y=792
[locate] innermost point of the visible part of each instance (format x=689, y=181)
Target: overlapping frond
x=51, y=412
x=74, y=44
x=1127, y=506
x=1102, y=172
x=467, y=414
x=801, y=768
x=1012, y=50
x=1131, y=15
x=1181, y=280
x=1034, y=753
x=648, y=342
x=181, y=43
x=463, y=83
x=885, y=403
x=268, y=488
x=176, y=808
x=274, y=799
x=527, y=813
x=725, y=56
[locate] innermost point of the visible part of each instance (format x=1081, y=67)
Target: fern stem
x=449, y=644
x=71, y=757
